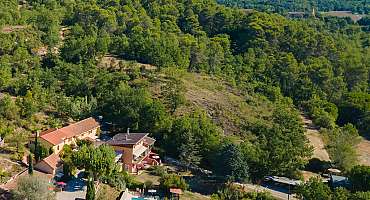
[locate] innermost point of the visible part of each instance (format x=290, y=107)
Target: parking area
x=75, y=188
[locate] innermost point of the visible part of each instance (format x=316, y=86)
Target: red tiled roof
x=57, y=136
x=52, y=160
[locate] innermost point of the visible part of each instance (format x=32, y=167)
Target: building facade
x=56, y=138
x=136, y=150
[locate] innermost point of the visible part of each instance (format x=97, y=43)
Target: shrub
x=33, y=188
x=172, y=181
x=359, y=177
x=148, y=184
x=158, y=170
x=116, y=180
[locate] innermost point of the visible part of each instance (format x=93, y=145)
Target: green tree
x=17, y=139
x=314, y=189
x=172, y=181
x=189, y=150
x=232, y=164
x=8, y=108
x=30, y=164
x=341, y=146
x=90, y=193
x=173, y=94
x=28, y=105
x=283, y=147
x=359, y=176
x=33, y=188
x=98, y=161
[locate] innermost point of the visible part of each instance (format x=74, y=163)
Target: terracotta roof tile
x=57, y=136
x=52, y=160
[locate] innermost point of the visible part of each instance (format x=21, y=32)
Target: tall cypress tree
x=30, y=164
x=37, y=149
x=90, y=193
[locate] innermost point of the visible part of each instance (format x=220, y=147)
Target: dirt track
x=315, y=139
x=363, y=151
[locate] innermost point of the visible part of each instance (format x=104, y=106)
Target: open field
x=354, y=17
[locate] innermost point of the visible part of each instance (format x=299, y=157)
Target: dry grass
x=354, y=17
x=193, y=196
x=106, y=192
x=316, y=140
x=146, y=176
x=363, y=151
x=227, y=106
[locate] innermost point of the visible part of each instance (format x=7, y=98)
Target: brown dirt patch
x=363, y=151
x=315, y=139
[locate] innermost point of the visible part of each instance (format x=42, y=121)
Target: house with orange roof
x=57, y=138
x=50, y=164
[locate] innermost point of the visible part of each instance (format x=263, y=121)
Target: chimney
x=126, y=137
x=37, y=133
x=128, y=131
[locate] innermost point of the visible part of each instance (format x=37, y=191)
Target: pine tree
x=189, y=150
x=30, y=164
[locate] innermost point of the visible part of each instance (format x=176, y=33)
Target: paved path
x=315, y=139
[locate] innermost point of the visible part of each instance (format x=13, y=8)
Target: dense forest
x=356, y=6
x=50, y=50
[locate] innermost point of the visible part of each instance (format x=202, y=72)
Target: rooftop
x=129, y=138
x=57, y=136
x=52, y=160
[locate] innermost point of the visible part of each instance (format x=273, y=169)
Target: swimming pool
x=137, y=198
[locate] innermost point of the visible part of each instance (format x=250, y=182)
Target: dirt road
x=315, y=139
x=281, y=195
x=363, y=151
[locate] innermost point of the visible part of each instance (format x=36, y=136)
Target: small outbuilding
x=49, y=164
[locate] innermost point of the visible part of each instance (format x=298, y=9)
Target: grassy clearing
x=146, y=176
x=229, y=107
x=193, y=196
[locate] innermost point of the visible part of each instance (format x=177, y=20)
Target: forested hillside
x=267, y=65
x=356, y=6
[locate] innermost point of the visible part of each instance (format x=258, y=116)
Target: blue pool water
x=137, y=198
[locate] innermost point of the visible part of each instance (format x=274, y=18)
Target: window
x=58, y=147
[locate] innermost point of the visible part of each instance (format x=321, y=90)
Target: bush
x=33, y=188
x=360, y=196
x=158, y=170
x=116, y=180
x=148, y=184
x=359, y=177
x=80, y=143
x=231, y=192
x=314, y=189
x=172, y=181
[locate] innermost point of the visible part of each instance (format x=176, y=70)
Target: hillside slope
x=229, y=107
